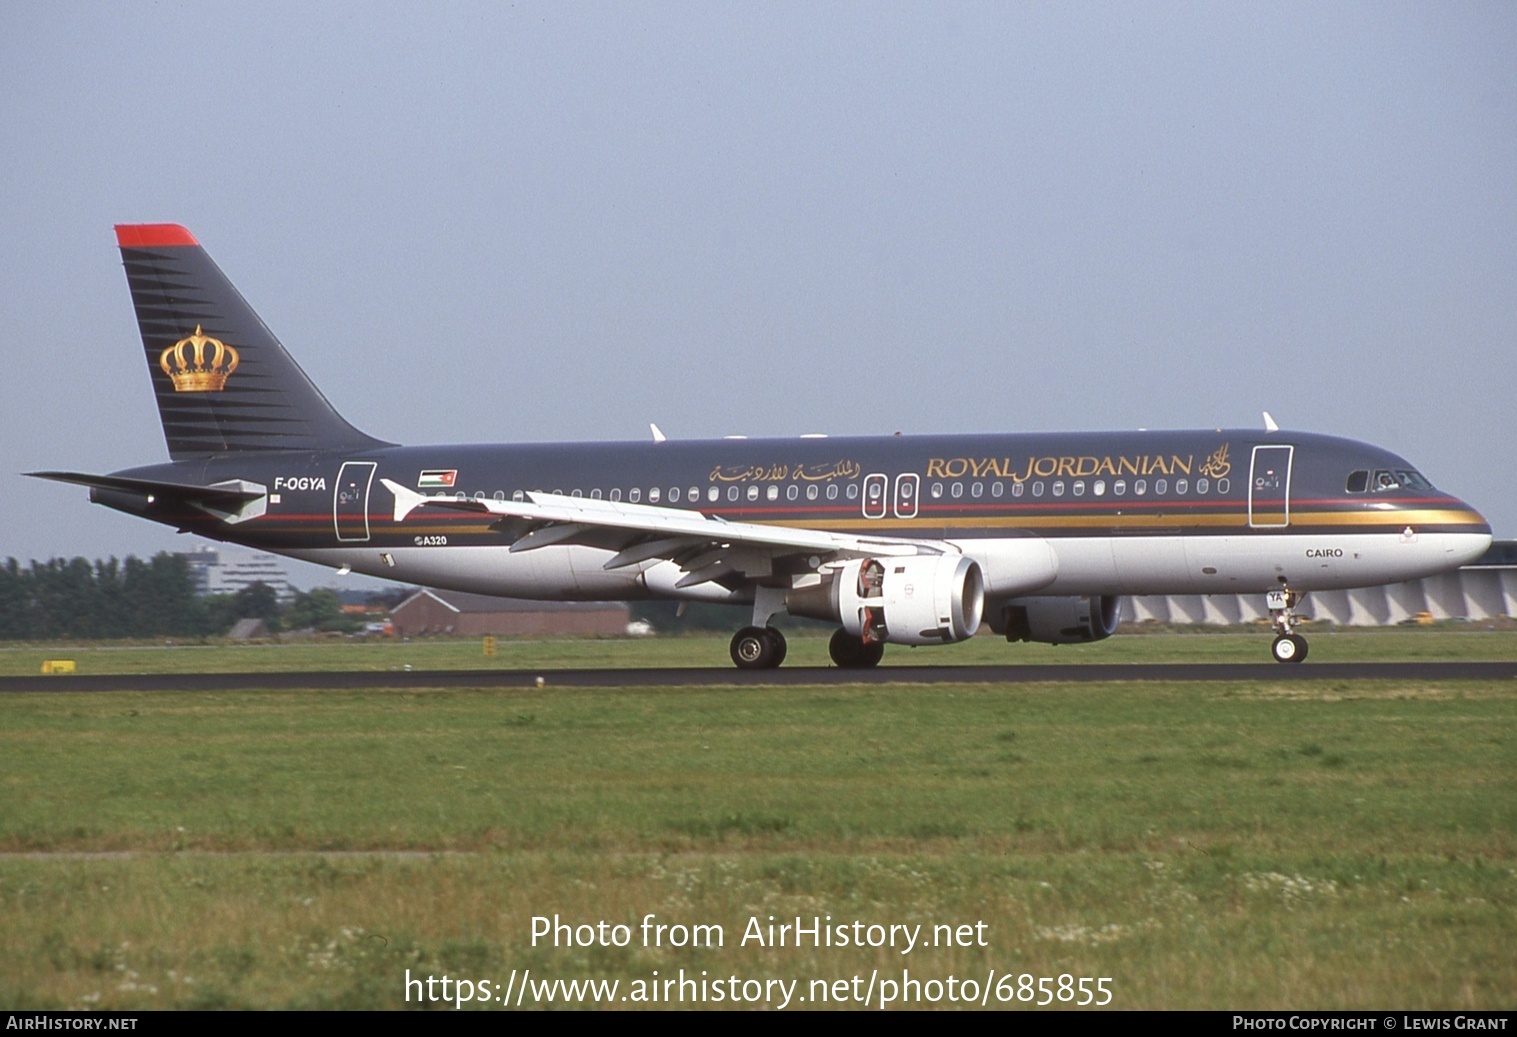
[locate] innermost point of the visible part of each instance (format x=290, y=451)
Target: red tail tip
x=152, y=235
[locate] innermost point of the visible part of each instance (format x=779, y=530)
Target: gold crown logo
x=197, y=372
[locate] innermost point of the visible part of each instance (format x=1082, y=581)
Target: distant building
x=453, y=612
x=218, y=570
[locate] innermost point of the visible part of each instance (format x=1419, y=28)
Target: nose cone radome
x=1469, y=543
x=1464, y=548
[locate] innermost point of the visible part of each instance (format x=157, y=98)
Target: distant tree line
x=78, y=599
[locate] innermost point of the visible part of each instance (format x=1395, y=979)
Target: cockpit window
x=1396, y=479
x=1358, y=481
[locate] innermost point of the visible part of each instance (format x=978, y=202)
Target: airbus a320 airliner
x=910, y=540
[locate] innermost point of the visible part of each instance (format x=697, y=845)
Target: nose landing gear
x=1289, y=646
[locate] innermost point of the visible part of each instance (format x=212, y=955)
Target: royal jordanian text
x=1216, y=466
x=1049, y=467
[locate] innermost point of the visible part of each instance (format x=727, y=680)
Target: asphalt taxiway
x=785, y=676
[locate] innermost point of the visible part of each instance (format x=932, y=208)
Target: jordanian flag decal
x=437, y=479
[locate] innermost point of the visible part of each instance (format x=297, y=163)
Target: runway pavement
x=785, y=676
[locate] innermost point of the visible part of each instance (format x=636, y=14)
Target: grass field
x=1202, y=845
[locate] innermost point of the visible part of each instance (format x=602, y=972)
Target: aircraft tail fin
x=223, y=382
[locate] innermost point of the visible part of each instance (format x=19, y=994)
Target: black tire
x=851, y=653
x=777, y=642
x=753, y=649
x=845, y=649
x=1288, y=648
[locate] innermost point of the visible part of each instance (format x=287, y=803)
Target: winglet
x=407, y=500
x=658, y=433
x=1269, y=423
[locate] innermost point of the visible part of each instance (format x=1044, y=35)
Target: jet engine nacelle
x=917, y=600
x=1061, y=621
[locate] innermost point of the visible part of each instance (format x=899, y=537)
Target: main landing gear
x=758, y=648
x=1289, y=646
x=763, y=648
x=852, y=652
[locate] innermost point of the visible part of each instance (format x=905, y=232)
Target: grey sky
x=563, y=221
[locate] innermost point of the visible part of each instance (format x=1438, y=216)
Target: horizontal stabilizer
x=222, y=495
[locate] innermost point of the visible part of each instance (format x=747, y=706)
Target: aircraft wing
x=705, y=546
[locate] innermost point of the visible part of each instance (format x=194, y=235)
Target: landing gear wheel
x=777, y=643
x=754, y=649
x=1289, y=648
x=852, y=653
